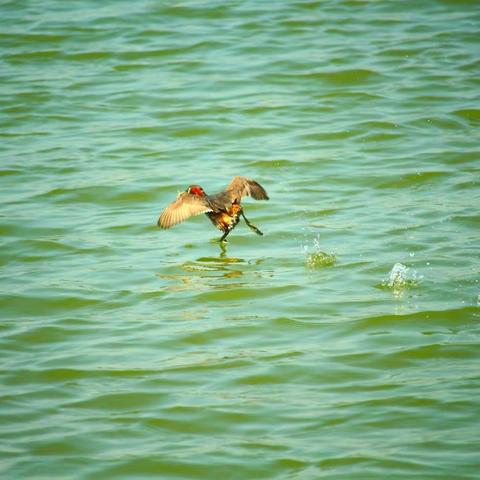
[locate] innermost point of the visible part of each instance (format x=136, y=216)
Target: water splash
x=398, y=276
x=401, y=277
x=316, y=258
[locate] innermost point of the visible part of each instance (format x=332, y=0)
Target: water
x=130, y=352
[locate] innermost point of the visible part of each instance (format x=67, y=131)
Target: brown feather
x=242, y=186
x=186, y=205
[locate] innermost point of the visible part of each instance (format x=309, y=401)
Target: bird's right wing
x=186, y=205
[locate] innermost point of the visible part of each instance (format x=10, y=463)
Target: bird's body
x=223, y=209
x=227, y=220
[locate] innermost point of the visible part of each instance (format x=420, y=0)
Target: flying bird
x=223, y=209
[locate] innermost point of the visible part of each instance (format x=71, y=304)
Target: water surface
x=344, y=343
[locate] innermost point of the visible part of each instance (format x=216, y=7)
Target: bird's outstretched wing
x=186, y=205
x=241, y=186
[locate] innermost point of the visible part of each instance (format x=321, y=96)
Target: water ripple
x=343, y=343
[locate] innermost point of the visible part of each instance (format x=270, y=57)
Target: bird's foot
x=251, y=225
x=221, y=241
x=255, y=229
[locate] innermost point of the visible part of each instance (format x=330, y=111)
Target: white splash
x=401, y=277
x=398, y=276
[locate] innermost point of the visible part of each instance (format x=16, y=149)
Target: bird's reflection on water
x=212, y=272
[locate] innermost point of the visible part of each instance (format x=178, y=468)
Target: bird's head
x=196, y=190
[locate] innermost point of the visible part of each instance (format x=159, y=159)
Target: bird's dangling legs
x=250, y=225
x=224, y=236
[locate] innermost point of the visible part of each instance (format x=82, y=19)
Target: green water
x=343, y=344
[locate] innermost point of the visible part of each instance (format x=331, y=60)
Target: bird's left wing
x=241, y=186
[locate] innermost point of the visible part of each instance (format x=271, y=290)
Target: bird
x=223, y=209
